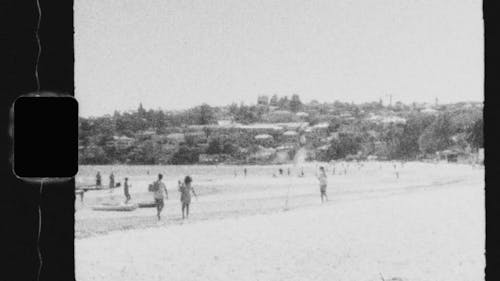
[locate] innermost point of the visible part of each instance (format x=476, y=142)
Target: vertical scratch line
x=39, y=230
x=39, y=46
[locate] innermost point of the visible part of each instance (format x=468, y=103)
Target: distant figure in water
x=397, y=174
x=281, y=171
x=111, y=182
x=288, y=171
x=98, y=181
x=245, y=171
x=160, y=191
x=301, y=172
x=126, y=190
x=323, y=181
x=185, y=190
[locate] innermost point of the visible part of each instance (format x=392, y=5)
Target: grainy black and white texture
x=326, y=140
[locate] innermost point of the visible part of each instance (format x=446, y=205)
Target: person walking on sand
x=98, y=181
x=126, y=190
x=323, y=181
x=160, y=192
x=245, y=171
x=185, y=190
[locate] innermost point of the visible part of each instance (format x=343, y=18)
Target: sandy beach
x=428, y=224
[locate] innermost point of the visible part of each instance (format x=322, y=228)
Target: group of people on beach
x=160, y=193
x=159, y=190
x=112, y=185
x=185, y=188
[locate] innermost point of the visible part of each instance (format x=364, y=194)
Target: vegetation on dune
x=332, y=131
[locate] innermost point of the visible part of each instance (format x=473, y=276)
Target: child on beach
x=322, y=183
x=160, y=191
x=185, y=190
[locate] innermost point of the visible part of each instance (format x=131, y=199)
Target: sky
x=177, y=54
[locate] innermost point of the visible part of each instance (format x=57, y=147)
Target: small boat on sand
x=115, y=207
x=150, y=204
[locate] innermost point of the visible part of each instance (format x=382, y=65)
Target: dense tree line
x=422, y=134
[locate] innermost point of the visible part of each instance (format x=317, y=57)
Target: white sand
x=433, y=233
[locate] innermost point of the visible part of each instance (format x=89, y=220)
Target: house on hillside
x=263, y=100
x=146, y=133
x=296, y=126
x=213, y=158
x=196, y=137
x=302, y=114
x=454, y=155
x=265, y=140
x=429, y=111
x=321, y=129
x=263, y=155
x=175, y=138
x=290, y=137
x=121, y=142
x=280, y=116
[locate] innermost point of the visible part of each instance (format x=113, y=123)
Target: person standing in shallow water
x=160, y=192
x=323, y=181
x=185, y=190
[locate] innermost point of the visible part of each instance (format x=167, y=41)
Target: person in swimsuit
x=185, y=189
x=323, y=181
x=160, y=192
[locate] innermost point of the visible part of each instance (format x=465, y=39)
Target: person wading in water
x=185, y=190
x=160, y=192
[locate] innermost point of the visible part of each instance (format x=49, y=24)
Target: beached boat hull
x=117, y=208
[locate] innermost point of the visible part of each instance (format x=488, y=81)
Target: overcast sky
x=177, y=54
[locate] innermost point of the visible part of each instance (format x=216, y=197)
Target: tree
x=346, y=144
x=185, y=155
x=141, y=111
x=203, y=114
x=437, y=135
x=274, y=100
x=94, y=155
x=295, y=103
x=284, y=103
x=229, y=148
x=146, y=152
x=246, y=114
x=474, y=134
x=412, y=130
x=214, y=147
